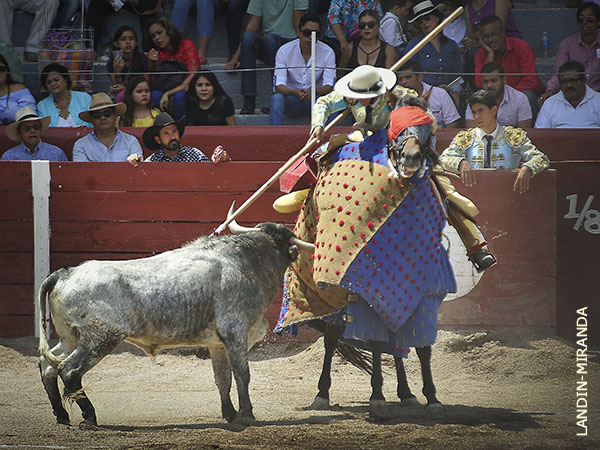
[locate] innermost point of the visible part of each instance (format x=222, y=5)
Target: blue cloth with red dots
x=403, y=273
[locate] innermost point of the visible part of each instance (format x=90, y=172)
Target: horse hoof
x=434, y=410
x=319, y=404
x=408, y=402
x=378, y=410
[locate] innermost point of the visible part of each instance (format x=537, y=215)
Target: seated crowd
x=169, y=78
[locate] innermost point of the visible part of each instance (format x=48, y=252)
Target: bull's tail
x=43, y=347
x=357, y=357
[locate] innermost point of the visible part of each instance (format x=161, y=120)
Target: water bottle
x=545, y=45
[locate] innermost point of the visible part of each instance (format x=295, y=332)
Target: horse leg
x=433, y=404
x=321, y=401
x=377, y=400
x=404, y=393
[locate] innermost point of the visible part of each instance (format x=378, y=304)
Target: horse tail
x=357, y=357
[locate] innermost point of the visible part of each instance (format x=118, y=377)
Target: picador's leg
x=404, y=393
x=50, y=380
x=332, y=334
x=429, y=390
x=222, y=374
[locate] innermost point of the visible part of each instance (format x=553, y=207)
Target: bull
x=211, y=292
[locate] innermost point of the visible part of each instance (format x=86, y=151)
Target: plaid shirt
x=185, y=154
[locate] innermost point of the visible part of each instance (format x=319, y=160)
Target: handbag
x=169, y=80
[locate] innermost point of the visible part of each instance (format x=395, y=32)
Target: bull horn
x=235, y=227
x=302, y=245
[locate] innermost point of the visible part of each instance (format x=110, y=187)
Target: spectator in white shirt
x=440, y=103
x=292, y=80
x=514, y=109
x=576, y=105
x=391, y=30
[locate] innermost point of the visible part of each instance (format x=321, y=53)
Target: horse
x=410, y=157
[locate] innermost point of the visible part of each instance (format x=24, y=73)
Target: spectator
x=43, y=12
x=492, y=145
x=138, y=100
x=441, y=57
x=173, y=53
x=126, y=61
x=70, y=12
x=575, y=106
x=457, y=29
x=106, y=142
x=391, y=30
x=63, y=105
x=368, y=48
x=292, y=81
x=207, y=103
x=205, y=18
x=583, y=46
x=279, y=23
x=165, y=136
x=13, y=95
x=515, y=55
x=27, y=130
x=343, y=22
x=513, y=109
x=441, y=105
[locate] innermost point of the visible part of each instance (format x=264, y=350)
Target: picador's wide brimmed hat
x=162, y=120
x=102, y=101
x=424, y=8
x=25, y=114
x=366, y=82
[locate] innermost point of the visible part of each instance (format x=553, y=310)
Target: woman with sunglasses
x=441, y=58
x=368, y=49
x=583, y=47
x=63, y=105
x=13, y=95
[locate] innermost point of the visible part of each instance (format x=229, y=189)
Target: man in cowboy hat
x=363, y=91
x=27, y=129
x=165, y=136
x=106, y=142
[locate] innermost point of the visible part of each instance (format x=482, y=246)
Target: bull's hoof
x=434, y=410
x=408, y=402
x=230, y=416
x=88, y=424
x=319, y=404
x=378, y=410
x=244, y=420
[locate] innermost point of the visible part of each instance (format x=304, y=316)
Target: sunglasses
x=34, y=126
x=3, y=69
x=586, y=19
x=571, y=80
x=370, y=24
x=307, y=33
x=105, y=113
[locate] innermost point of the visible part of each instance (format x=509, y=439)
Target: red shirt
x=518, y=58
x=186, y=53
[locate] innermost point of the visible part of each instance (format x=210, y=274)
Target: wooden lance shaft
x=313, y=142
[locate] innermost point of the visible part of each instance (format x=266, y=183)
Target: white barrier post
x=40, y=188
x=313, y=73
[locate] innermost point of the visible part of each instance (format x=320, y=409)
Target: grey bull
x=211, y=292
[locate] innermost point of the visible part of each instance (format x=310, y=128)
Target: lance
x=311, y=144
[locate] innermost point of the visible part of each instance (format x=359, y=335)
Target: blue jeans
x=178, y=101
x=205, y=17
x=69, y=8
x=255, y=46
x=282, y=105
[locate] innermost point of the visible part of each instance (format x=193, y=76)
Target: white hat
x=25, y=114
x=366, y=82
x=422, y=9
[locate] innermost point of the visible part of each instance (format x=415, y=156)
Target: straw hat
x=102, y=101
x=422, y=9
x=366, y=82
x=25, y=114
x=162, y=120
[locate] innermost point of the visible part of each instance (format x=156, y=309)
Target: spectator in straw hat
x=106, y=142
x=28, y=129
